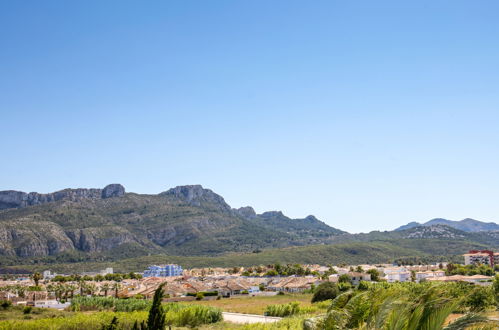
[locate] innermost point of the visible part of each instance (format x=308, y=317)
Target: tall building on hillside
x=163, y=271
x=483, y=257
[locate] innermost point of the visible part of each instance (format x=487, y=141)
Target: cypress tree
x=157, y=316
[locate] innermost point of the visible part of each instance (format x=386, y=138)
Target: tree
x=157, y=316
x=495, y=287
x=116, y=287
x=480, y=298
x=344, y=279
x=37, y=277
x=105, y=287
x=325, y=291
x=375, y=275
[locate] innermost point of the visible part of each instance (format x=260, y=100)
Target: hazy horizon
x=368, y=116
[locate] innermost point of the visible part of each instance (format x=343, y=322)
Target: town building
x=163, y=271
x=423, y=276
x=399, y=274
x=356, y=277
x=480, y=257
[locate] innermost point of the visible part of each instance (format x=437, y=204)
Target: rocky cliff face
x=18, y=199
x=196, y=195
x=107, y=223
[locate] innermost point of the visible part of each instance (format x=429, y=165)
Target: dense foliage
x=325, y=291
x=109, y=303
x=406, y=306
x=282, y=310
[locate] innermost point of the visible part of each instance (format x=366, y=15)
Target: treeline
x=117, y=277
x=470, y=270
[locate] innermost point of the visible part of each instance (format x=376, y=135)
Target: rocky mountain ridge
x=185, y=220
x=18, y=199
x=467, y=225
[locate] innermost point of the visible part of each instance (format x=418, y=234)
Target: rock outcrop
x=113, y=190
x=246, y=212
x=18, y=199
x=196, y=195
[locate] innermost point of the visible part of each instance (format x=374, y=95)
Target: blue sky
x=367, y=114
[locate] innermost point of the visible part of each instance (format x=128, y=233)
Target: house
x=397, y=274
x=293, y=284
x=475, y=279
x=422, y=276
x=356, y=277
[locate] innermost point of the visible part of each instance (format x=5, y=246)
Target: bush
x=344, y=279
x=5, y=304
x=191, y=315
x=480, y=298
x=282, y=310
x=109, y=303
x=363, y=285
x=199, y=296
x=280, y=293
x=325, y=291
x=344, y=286
x=27, y=310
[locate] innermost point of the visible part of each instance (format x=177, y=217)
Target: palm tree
x=60, y=289
x=81, y=284
x=70, y=288
x=36, y=278
x=116, y=287
x=91, y=288
x=393, y=308
x=105, y=287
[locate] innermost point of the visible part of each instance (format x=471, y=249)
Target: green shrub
x=325, y=291
x=191, y=315
x=282, y=310
x=5, y=304
x=109, y=303
x=27, y=310
x=344, y=286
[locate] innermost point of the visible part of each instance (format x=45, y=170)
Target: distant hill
x=195, y=226
x=185, y=220
x=468, y=225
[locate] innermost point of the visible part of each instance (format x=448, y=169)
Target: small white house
x=399, y=274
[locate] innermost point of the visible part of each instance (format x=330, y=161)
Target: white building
x=422, y=276
x=399, y=274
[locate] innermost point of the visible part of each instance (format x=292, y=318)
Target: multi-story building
x=163, y=271
x=483, y=257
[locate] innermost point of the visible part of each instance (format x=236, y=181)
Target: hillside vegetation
x=194, y=226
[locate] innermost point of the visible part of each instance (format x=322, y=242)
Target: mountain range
x=468, y=225
x=110, y=224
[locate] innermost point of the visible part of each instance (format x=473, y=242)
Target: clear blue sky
x=367, y=114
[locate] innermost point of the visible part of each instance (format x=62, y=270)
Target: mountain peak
x=196, y=195
x=246, y=212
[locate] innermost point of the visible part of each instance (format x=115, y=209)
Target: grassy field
x=255, y=305
x=17, y=313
